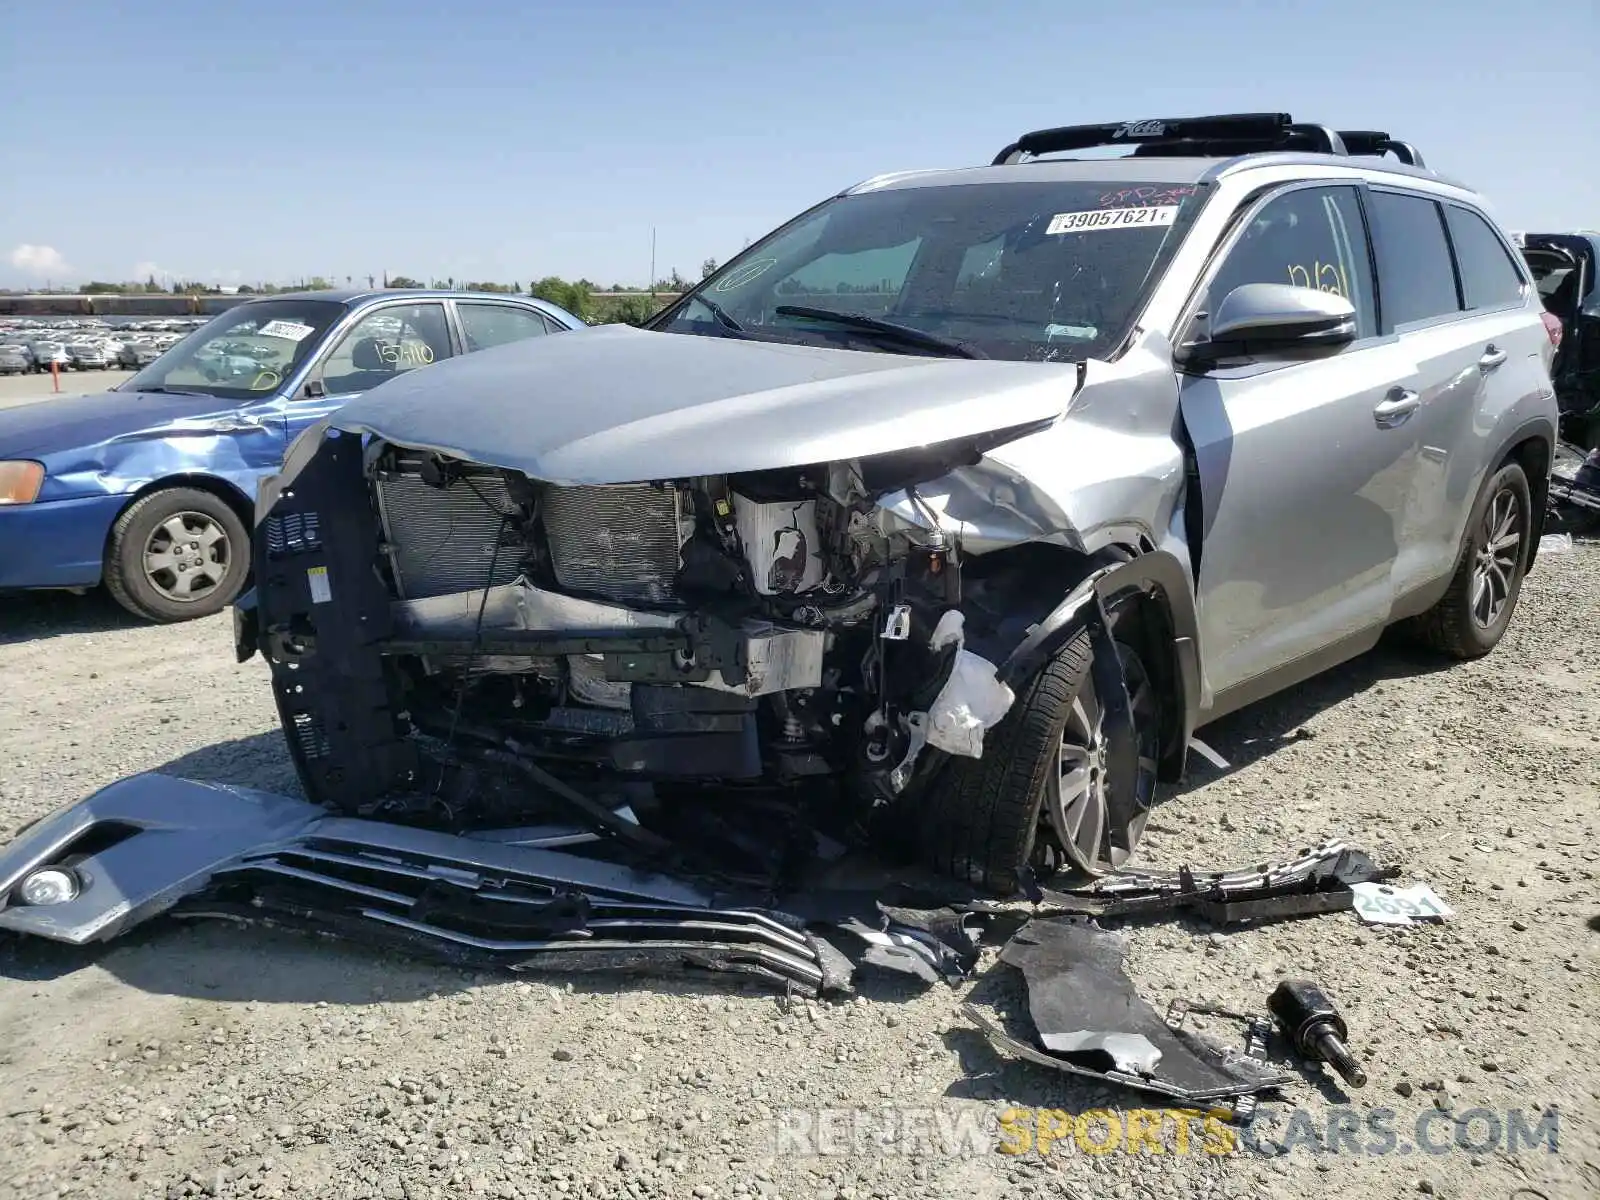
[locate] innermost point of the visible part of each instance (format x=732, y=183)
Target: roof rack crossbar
x=1235, y=126
x=1366, y=142
x=1213, y=137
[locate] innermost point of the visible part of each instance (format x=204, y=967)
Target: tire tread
x=982, y=813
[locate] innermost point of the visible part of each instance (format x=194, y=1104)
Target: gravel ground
x=210, y=1060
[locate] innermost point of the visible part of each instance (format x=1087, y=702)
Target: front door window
x=386, y=343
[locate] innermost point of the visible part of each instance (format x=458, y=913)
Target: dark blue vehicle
x=150, y=487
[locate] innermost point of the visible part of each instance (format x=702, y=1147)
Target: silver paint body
x=1321, y=524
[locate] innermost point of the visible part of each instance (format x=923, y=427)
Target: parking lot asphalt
x=26, y=389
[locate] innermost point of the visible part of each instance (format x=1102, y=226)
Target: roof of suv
x=1141, y=170
x=1183, y=150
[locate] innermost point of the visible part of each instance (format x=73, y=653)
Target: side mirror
x=1275, y=318
x=314, y=389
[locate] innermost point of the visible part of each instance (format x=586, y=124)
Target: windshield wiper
x=721, y=314
x=166, y=391
x=890, y=329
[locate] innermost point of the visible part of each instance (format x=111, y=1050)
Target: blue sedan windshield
x=245, y=352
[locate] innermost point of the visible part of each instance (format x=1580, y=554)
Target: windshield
x=1041, y=271
x=244, y=352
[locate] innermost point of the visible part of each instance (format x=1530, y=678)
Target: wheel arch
x=230, y=493
x=1532, y=447
x=1031, y=600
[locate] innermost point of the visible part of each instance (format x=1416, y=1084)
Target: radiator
x=443, y=540
x=617, y=542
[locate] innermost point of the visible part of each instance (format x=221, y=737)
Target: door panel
x=1453, y=389
x=1478, y=352
x=1304, y=466
x=1301, y=493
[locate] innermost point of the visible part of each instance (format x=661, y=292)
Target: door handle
x=1396, y=408
x=1491, y=358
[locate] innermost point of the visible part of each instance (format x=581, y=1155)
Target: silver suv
x=960, y=500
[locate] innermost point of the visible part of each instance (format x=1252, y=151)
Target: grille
x=617, y=542
x=442, y=540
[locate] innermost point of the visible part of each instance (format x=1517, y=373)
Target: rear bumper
x=55, y=543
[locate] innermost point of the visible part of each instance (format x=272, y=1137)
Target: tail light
x=1552, y=326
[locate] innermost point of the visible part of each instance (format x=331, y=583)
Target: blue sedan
x=150, y=488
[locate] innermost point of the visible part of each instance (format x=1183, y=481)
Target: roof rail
x=1369, y=142
x=1210, y=137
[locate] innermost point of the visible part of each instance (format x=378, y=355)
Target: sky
x=513, y=139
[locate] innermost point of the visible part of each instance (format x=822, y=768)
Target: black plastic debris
x=1089, y=1021
x=1317, y=881
x=1574, y=489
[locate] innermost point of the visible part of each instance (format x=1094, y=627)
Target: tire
x=1466, y=623
x=985, y=820
x=148, y=566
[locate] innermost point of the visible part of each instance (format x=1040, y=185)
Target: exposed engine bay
x=463, y=640
x=823, y=633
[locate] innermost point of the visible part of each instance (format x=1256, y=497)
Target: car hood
x=622, y=405
x=59, y=423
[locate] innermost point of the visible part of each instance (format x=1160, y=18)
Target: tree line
x=583, y=298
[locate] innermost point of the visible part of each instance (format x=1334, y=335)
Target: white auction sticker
x=1113, y=218
x=321, y=590
x=291, y=331
x=1380, y=904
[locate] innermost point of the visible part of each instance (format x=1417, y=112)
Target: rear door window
x=1489, y=278
x=484, y=325
x=1416, y=278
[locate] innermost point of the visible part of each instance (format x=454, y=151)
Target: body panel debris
x=1317, y=881
x=1089, y=1021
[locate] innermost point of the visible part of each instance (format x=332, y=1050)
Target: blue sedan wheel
x=177, y=554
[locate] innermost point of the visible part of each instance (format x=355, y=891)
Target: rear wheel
x=1473, y=615
x=1042, y=795
x=177, y=554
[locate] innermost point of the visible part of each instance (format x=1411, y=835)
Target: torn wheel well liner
x=1167, y=630
x=1532, y=449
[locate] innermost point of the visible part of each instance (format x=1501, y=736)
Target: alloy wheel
x=1495, y=561
x=1077, y=790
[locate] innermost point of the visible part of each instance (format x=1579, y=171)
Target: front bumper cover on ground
x=152, y=844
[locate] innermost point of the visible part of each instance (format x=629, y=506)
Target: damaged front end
x=458, y=642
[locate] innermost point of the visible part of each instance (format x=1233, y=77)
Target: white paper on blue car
x=291, y=331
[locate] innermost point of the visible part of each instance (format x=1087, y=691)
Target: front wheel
x=1474, y=613
x=177, y=554
x=1043, y=794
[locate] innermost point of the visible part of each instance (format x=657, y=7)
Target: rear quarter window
x=1416, y=277
x=1489, y=276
